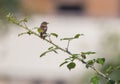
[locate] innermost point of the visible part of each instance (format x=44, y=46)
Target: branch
x=58, y=47
x=13, y=20
x=49, y=41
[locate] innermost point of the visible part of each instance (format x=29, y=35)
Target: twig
x=68, y=45
x=49, y=37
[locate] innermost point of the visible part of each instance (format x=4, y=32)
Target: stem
x=64, y=50
x=68, y=45
x=100, y=73
x=49, y=37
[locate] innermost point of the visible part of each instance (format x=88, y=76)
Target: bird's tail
x=42, y=36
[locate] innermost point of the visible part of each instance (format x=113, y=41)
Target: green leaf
x=50, y=48
x=26, y=19
x=68, y=58
x=75, y=55
x=12, y=19
x=89, y=63
x=8, y=15
x=29, y=32
x=63, y=63
x=118, y=67
x=54, y=34
x=71, y=65
x=109, y=70
x=83, y=56
x=66, y=38
x=111, y=82
x=95, y=80
x=43, y=54
x=100, y=61
x=88, y=53
x=40, y=30
x=78, y=35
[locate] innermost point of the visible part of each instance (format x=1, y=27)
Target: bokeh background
x=20, y=63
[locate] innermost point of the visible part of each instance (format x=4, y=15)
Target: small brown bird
x=43, y=29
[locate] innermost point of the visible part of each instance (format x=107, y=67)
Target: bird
x=43, y=29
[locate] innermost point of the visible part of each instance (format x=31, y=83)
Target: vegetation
x=70, y=61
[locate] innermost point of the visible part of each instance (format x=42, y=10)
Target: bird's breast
x=45, y=28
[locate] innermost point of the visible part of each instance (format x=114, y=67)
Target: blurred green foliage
x=6, y=6
x=110, y=47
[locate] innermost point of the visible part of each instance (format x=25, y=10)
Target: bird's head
x=44, y=23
